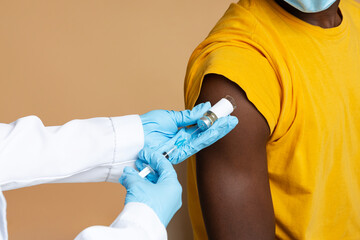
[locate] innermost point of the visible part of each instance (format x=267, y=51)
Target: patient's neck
x=328, y=18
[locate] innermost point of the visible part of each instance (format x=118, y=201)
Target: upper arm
x=232, y=174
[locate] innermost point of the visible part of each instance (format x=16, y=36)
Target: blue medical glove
x=164, y=196
x=162, y=125
x=188, y=143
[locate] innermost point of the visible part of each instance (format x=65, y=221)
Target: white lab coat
x=92, y=150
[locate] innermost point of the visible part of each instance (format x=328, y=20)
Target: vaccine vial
x=222, y=108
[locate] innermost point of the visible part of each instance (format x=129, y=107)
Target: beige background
x=62, y=60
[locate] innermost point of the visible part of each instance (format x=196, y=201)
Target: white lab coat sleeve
x=137, y=221
x=3, y=222
x=91, y=150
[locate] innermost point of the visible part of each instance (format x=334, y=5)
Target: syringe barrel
x=222, y=108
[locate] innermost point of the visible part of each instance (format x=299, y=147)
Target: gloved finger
x=193, y=131
x=204, y=139
x=181, y=137
x=149, y=156
x=145, y=154
x=190, y=117
x=130, y=177
x=140, y=164
x=217, y=131
x=192, y=148
x=157, y=162
x=184, y=152
x=153, y=177
x=163, y=167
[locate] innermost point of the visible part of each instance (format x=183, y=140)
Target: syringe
x=179, y=144
x=222, y=108
x=148, y=169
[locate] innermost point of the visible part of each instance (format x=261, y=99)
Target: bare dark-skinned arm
x=232, y=174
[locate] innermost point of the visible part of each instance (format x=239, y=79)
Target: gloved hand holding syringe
x=215, y=124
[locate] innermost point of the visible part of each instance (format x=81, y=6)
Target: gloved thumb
x=204, y=139
x=157, y=161
x=182, y=136
x=190, y=117
x=163, y=167
x=129, y=177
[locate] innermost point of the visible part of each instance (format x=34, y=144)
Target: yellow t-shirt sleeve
x=253, y=73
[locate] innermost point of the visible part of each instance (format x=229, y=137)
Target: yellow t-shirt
x=305, y=81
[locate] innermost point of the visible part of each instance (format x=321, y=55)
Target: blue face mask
x=310, y=6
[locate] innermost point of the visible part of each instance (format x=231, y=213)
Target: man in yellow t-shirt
x=291, y=168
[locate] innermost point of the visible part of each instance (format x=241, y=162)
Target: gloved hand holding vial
x=212, y=126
